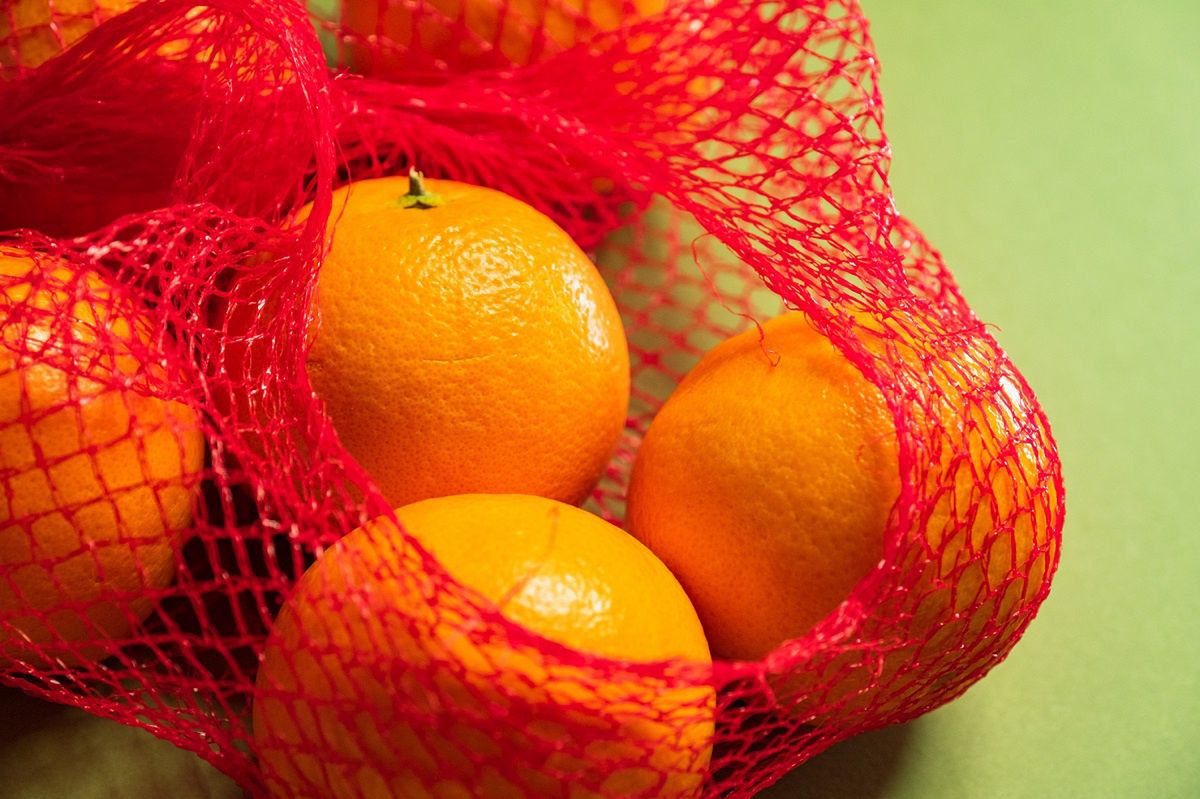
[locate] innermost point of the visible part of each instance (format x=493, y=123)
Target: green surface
x=1049, y=150
x=53, y=752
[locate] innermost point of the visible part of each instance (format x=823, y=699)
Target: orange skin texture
x=479, y=33
x=466, y=348
x=358, y=634
x=766, y=489
x=95, y=493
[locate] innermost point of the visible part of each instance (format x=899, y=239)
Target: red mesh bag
x=167, y=475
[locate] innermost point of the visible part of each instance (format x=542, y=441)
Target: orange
x=766, y=481
x=96, y=481
x=34, y=31
x=766, y=488
x=367, y=689
x=468, y=347
x=472, y=32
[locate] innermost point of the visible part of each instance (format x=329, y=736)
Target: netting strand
x=721, y=161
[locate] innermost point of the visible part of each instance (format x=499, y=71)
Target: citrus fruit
x=34, y=31
x=367, y=688
x=766, y=488
x=467, y=347
x=766, y=481
x=96, y=477
x=480, y=33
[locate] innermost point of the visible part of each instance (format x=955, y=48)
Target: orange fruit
x=367, y=689
x=766, y=488
x=96, y=480
x=34, y=31
x=766, y=481
x=481, y=33
x=468, y=347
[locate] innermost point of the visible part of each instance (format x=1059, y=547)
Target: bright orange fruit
x=344, y=706
x=766, y=481
x=96, y=482
x=766, y=488
x=467, y=347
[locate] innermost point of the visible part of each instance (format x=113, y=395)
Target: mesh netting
x=721, y=160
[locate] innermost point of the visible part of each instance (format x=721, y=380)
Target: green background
x=1051, y=151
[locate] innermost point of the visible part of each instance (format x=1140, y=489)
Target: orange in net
x=369, y=689
x=766, y=480
x=765, y=483
x=96, y=481
x=465, y=344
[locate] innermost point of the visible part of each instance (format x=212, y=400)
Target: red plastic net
x=720, y=160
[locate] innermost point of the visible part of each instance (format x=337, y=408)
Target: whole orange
x=34, y=31
x=467, y=347
x=479, y=33
x=369, y=689
x=765, y=487
x=766, y=481
x=97, y=478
